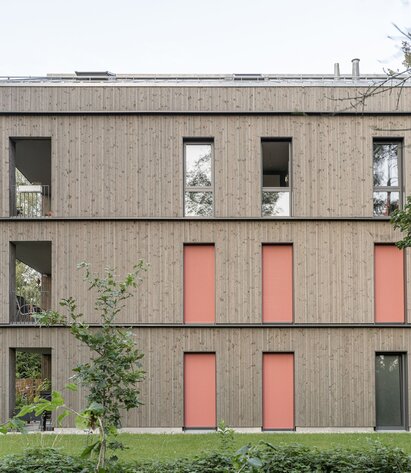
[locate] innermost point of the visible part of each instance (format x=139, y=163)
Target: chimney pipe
x=336, y=71
x=355, y=68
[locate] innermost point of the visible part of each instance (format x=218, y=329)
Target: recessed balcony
x=30, y=280
x=30, y=177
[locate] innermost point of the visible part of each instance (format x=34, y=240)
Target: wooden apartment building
x=275, y=297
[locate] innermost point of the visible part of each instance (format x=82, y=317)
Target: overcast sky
x=198, y=36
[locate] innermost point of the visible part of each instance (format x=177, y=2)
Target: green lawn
x=156, y=446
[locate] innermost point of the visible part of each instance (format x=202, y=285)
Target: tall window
x=276, y=177
x=390, y=369
x=387, y=176
x=198, y=179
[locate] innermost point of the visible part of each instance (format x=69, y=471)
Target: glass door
x=390, y=391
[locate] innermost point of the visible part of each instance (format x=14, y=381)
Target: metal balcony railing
x=25, y=302
x=31, y=201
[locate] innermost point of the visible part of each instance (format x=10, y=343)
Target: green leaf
x=72, y=387
x=26, y=410
x=57, y=399
x=89, y=449
x=255, y=462
x=243, y=450
x=96, y=408
x=61, y=417
x=82, y=422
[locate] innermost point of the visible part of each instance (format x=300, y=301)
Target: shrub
x=263, y=457
x=285, y=458
x=47, y=460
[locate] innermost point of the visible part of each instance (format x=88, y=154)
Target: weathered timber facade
x=117, y=196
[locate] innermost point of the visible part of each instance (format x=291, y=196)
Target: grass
x=170, y=446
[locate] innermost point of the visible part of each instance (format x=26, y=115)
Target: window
x=390, y=391
x=389, y=284
x=198, y=178
x=30, y=177
x=30, y=274
x=200, y=391
x=278, y=391
x=29, y=377
x=276, y=178
x=387, y=176
x=277, y=283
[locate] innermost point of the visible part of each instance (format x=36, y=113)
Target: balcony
x=28, y=302
x=30, y=177
x=32, y=201
x=30, y=280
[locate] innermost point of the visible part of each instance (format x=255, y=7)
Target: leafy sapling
x=114, y=369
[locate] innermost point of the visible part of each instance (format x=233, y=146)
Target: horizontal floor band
x=233, y=325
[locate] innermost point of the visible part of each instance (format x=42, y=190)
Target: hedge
x=263, y=457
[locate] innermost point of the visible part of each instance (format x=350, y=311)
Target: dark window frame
x=198, y=142
x=287, y=189
x=403, y=390
x=399, y=187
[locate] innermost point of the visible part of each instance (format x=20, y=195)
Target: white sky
x=198, y=36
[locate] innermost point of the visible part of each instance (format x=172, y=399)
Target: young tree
x=401, y=219
x=114, y=369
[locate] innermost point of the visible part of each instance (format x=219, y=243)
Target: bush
x=46, y=460
x=268, y=458
x=377, y=458
x=262, y=457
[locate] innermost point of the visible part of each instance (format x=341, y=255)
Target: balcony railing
x=26, y=302
x=31, y=201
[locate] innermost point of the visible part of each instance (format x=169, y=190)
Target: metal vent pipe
x=355, y=68
x=336, y=70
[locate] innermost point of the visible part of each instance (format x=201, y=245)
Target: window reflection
x=386, y=178
x=198, y=180
x=276, y=204
x=198, y=204
x=385, y=203
x=198, y=165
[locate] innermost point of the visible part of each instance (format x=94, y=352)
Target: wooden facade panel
x=132, y=166
x=334, y=371
x=332, y=264
x=294, y=99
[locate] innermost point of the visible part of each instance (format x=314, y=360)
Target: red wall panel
x=199, y=284
x=388, y=283
x=277, y=283
x=278, y=391
x=199, y=390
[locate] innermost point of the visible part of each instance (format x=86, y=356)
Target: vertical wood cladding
x=332, y=262
x=334, y=371
x=298, y=98
x=132, y=166
x=116, y=166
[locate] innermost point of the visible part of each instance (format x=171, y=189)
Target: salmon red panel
x=389, y=283
x=199, y=284
x=278, y=391
x=277, y=283
x=199, y=390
